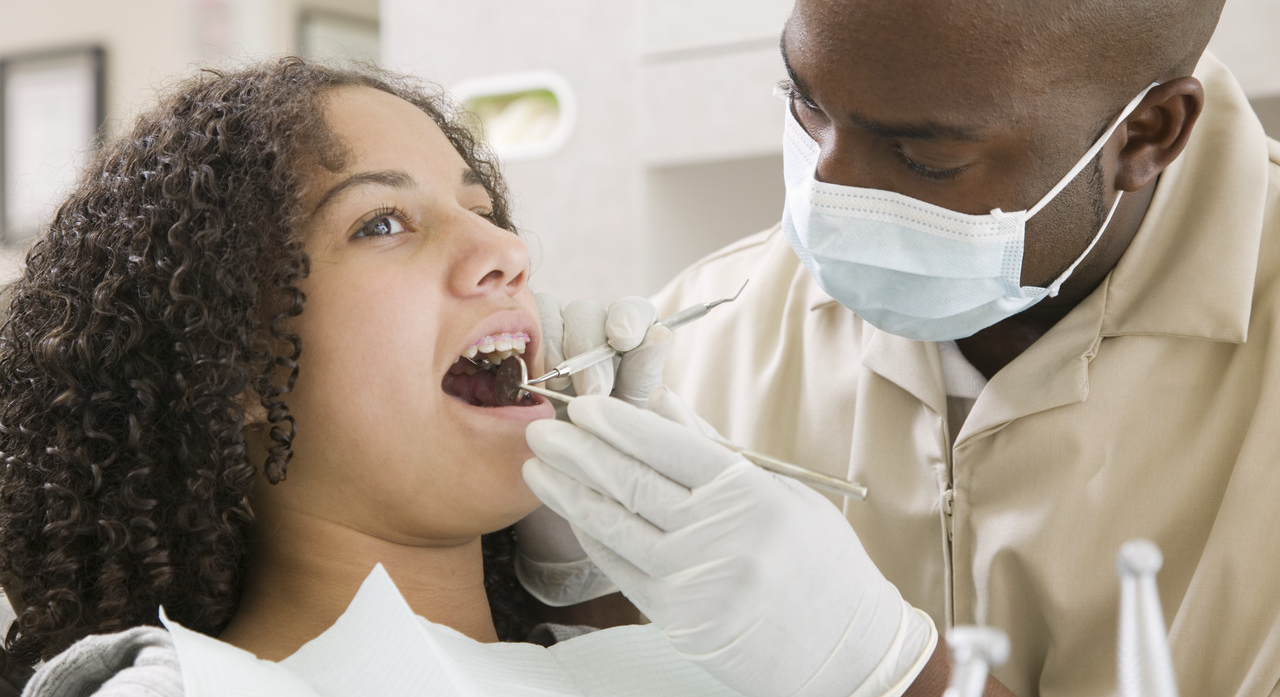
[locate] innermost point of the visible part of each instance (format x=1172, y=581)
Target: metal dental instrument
x=590, y=357
x=818, y=480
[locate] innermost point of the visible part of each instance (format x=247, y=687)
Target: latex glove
x=756, y=578
x=627, y=325
x=550, y=563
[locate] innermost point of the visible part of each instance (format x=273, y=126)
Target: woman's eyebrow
x=394, y=178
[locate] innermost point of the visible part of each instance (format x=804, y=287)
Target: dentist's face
x=938, y=101
x=407, y=272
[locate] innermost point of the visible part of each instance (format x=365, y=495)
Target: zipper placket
x=946, y=504
x=948, y=577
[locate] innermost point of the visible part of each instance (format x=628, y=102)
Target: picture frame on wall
x=52, y=109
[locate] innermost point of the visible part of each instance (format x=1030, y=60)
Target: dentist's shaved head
x=1120, y=45
x=1160, y=39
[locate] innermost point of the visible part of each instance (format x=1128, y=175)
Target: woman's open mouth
x=489, y=373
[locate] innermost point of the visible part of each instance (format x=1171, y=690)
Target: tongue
x=476, y=389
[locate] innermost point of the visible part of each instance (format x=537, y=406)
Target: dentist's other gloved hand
x=550, y=563
x=626, y=325
x=757, y=578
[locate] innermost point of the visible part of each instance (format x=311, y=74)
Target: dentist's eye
x=925, y=170
x=794, y=95
x=383, y=222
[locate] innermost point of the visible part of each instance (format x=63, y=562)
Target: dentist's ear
x=1157, y=131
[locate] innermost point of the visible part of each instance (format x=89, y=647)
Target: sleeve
x=139, y=662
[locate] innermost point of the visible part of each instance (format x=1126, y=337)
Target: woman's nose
x=489, y=259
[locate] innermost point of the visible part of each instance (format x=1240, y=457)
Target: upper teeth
x=498, y=347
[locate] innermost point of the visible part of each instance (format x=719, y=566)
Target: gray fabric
x=138, y=662
x=549, y=633
x=142, y=662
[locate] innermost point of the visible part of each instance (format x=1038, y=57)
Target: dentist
x=1024, y=288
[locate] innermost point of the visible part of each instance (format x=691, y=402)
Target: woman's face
x=407, y=273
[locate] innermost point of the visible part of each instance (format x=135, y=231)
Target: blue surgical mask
x=909, y=267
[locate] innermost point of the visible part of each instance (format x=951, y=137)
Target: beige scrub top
x=1151, y=410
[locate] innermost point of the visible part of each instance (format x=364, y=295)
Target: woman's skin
x=407, y=272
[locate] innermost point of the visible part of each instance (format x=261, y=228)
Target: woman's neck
x=305, y=571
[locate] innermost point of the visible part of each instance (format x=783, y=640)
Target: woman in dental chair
x=245, y=366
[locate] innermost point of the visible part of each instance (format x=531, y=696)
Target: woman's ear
x=256, y=428
x=255, y=414
x=1157, y=131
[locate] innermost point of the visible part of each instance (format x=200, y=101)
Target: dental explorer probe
x=818, y=480
x=590, y=357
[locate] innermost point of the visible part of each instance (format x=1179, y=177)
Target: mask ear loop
x=1091, y=153
x=1057, y=283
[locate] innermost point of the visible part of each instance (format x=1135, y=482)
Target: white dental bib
x=379, y=647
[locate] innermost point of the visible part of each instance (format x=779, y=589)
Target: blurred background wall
x=144, y=46
x=637, y=135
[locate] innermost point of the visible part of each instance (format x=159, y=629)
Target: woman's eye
x=380, y=226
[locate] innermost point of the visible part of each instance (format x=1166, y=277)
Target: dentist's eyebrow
x=928, y=130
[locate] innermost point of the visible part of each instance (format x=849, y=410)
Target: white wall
x=145, y=40
x=150, y=43
x=1246, y=40
x=661, y=85
x=580, y=202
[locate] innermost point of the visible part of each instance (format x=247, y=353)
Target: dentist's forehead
x=872, y=59
x=1115, y=45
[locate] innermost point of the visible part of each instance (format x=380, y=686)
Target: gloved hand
x=756, y=578
x=550, y=563
x=627, y=325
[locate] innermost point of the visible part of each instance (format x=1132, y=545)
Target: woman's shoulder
x=138, y=662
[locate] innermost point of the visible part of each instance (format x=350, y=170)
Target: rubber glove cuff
x=559, y=584
x=911, y=649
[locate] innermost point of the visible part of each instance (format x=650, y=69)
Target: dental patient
x=253, y=358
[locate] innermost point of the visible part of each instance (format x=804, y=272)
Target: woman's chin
x=515, y=502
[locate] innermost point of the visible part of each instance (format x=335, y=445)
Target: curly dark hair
x=150, y=315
